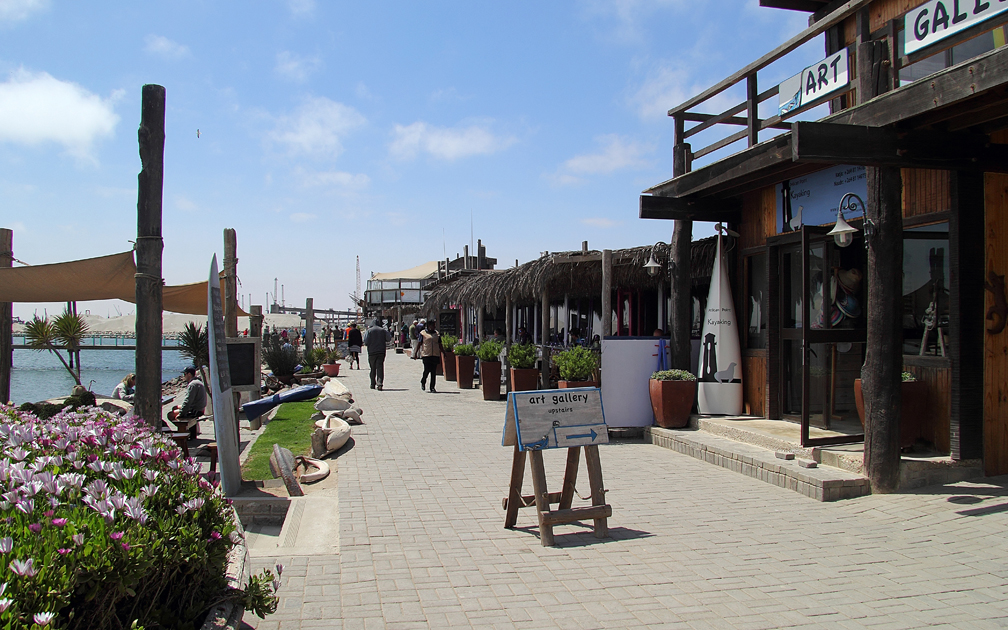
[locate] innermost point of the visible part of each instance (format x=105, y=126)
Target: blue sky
x=330, y=130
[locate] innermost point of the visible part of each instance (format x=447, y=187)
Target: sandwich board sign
x=555, y=418
x=225, y=427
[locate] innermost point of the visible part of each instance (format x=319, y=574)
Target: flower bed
x=104, y=524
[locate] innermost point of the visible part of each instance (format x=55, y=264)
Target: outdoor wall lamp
x=842, y=232
x=653, y=266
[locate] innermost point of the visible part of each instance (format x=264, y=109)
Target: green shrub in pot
x=674, y=375
x=448, y=343
x=489, y=350
x=576, y=364
x=522, y=356
x=465, y=350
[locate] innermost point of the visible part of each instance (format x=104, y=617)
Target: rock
x=331, y=404
x=335, y=389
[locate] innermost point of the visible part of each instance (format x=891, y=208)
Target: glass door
x=821, y=334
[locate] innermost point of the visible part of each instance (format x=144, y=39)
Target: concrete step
x=820, y=483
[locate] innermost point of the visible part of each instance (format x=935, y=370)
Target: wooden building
x=915, y=126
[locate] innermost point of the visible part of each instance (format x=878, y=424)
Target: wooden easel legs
x=598, y=512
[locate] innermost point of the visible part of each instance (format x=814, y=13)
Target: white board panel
x=627, y=365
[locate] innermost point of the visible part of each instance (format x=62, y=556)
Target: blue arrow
x=592, y=435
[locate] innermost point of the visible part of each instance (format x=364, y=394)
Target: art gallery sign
x=814, y=83
x=937, y=20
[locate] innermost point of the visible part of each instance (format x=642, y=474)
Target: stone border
x=816, y=483
x=261, y=510
x=228, y=615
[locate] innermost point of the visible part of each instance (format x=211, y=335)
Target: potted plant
x=465, y=364
x=448, y=343
x=331, y=365
x=914, y=405
x=282, y=361
x=672, y=395
x=576, y=366
x=490, y=368
x=522, y=357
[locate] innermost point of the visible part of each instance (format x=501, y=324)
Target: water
x=40, y=375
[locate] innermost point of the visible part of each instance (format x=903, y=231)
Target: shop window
x=925, y=290
x=985, y=42
x=756, y=304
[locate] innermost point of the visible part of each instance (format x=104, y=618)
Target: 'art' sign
x=813, y=83
x=939, y=19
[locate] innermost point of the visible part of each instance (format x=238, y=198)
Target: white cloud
x=36, y=108
x=18, y=227
x=316, y=127
x=302, y=217
x=294, y=67
x=165, y=48
x=446, y=143
x=629, y=15
x=301, y=7
x=333, y=178
x=600, y=222
x=185, y=204
x=17, y=10
x=617, y=153
x=363, y=92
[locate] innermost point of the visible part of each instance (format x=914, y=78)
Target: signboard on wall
x=813, y=83
x=937, y=20
x=813, y=199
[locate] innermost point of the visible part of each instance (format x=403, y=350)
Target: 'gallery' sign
x=936, y=20
x=813, y=83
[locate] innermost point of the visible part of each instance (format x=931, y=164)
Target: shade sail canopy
x=419, y=272
x=102, y=278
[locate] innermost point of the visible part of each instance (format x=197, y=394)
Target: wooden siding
x=996, y=346
x=881, y=12
x=925, y=191
x=759, y=217
x=754, y=382
x=937, y=374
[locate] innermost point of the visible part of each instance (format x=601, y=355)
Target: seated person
x=125, y=389
x=193, y=401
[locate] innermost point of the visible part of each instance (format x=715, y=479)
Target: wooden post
x=150, y=184
x=480, y=333
x=230, y=282
x=514, y=500
x=541, y=496
x=255, y=321
x=6, y=319
x=509, y=322
x=606, y=292
x=544, y=310
x=752, y=109
x=597, y=491
x=309, y=323
x=680, y=320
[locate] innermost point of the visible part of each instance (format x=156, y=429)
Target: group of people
x=192, y=404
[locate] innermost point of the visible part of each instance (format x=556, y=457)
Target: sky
x=393, y=131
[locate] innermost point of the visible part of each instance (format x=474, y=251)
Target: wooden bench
x=189, y=425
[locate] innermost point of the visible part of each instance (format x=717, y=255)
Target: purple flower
x=35, y=527
x=78, y=539
x=44, y=618
x=5, y=604
x=116, y=536
x=63, y=551
x=24, y=568
x=59, y=522
x=6, y=545
x=279, y=569
x=215, y=536
x=26, y=505
x=125, y=546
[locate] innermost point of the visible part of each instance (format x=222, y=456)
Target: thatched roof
x=564, y=273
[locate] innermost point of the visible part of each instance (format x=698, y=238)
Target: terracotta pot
x=448, y=361
x=331, y=369
x=490, y=379
x=671, y=402
x=570, y=384
x=914, y=401
x=524, y=379
x=464, y=368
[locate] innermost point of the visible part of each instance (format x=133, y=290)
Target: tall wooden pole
x=230, y=283
x=480, y=315
x=680, y=320
x=309, y=323
x=6, y=319
x=883, y=366
x=150, y=183
x=544, y=312
x=255, y=320
x=509, y=322
x=606, y=292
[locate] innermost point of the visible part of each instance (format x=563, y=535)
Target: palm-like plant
x=194, y=344
x=62, y=333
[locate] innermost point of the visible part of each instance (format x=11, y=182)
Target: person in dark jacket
x=376, y=339
x=354, y=343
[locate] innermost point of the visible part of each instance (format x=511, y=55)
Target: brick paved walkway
x=422, y=542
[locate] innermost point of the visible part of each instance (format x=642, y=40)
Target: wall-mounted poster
x=719, y=386
x=813, y=199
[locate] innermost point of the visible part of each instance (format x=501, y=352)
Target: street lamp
x=653, y=266
x=842, y=232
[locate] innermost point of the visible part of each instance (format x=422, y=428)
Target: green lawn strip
x=291, y=428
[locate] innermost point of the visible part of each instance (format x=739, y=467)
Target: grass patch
x=291, y=428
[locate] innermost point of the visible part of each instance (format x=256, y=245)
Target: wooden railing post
x=752, y=109
x=6, y=319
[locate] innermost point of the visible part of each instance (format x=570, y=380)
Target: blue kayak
x=256, y=408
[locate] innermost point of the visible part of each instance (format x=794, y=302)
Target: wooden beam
x=607, y=269
x=735, y=120
x=809, y=6
x=832, y=143
x=703, y=209
x=6, y=319
x=752, y=109
x=150, y=185
x=722, y=143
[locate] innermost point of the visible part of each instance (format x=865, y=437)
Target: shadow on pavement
x=587, y=537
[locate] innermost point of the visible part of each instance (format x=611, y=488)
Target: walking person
x=354, y=343
x=376, y=339
x=429, y=350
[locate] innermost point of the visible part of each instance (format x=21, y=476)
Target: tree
x=63, y=333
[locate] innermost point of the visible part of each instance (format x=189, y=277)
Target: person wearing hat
x=193, y=401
